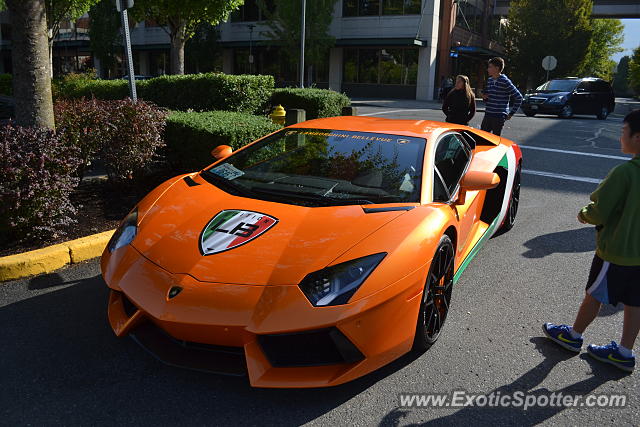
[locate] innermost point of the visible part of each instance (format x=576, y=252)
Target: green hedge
x=316, y=102
x=200, y=92
x=190, y=136
x=210, y=91
x=6, y=84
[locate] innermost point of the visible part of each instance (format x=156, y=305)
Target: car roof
x=417, y=128
x=578, y=78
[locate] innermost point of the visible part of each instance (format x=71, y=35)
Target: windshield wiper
x=226, y=185
x=322, y=199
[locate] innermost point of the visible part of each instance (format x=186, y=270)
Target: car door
x=584, y=99
x=451, y=161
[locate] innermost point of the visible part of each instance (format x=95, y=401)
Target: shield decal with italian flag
x=232, y=228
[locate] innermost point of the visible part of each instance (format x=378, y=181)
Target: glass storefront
x=380, y=7
x=394, y=66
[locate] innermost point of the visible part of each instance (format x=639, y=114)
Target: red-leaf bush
x=83, y=124
x=124, y=134
x=37, y=175
x=135, y=136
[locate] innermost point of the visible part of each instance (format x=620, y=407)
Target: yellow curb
x=53, y=257
x=88, y=247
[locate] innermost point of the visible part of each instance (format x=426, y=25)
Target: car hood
x=298, y=241
x=547, y=94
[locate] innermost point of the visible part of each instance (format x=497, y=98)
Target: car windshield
x=316, y=167
x=559, y=85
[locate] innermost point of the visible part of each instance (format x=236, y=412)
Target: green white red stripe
x=233, y=228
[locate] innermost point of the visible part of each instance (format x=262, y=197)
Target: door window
x=451, y=159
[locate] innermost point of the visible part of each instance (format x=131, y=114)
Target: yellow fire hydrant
x=278, y=115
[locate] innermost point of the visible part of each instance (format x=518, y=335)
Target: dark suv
x=571, y=95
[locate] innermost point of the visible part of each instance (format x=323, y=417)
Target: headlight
x=557, y=99
x=126, y=232
x=336, y=284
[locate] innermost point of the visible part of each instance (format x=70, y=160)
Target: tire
x=436, y=297
x=529, y=113
x=514, y=201
x=567, y=112
x=603, y=113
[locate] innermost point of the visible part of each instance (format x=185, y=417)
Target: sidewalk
x=623, y=105
x=400, y=104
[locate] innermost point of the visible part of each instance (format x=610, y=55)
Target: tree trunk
x=176, y=54
x=30, y=56
x=50, y=46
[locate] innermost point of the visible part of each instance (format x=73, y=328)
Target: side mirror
x=476, y=181
x=221, y=151
x=580, y=89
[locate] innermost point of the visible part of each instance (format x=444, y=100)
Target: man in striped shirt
x=496, y=96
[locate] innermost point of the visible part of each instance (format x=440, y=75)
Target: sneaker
x=561, y=336
x=610, y=354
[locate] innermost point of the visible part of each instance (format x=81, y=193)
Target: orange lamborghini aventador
x=314, y=255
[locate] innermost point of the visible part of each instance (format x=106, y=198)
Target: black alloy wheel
x=566, y=112
x=436, y=297
x=514, y=201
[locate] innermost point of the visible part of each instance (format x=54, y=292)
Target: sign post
x=302, y=36
x=122, y=6
x=549, y=63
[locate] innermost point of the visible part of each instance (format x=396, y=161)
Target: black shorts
x=611, y=283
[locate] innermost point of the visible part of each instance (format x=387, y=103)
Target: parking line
x=562, y=176
x=579, y=153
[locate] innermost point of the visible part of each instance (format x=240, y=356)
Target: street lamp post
x=122, y=6
x=302, y=37
x=251, y=26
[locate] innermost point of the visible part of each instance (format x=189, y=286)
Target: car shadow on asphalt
x=46, y=281
x=570, y=241
x=527, y=383
x=64, y=365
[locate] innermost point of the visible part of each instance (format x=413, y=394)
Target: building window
x=387, y=66
x=250, y=11
x=469, y=15
x=380, y=7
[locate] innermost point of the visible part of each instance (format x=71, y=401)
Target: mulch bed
x=101, y=206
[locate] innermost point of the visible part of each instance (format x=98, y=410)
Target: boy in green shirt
x=615, y=271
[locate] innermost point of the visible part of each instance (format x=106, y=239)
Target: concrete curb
x=49, y=259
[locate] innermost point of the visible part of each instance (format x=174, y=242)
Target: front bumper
x=544, y=108
x=271, y=333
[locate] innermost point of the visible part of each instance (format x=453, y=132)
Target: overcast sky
x=631, y=38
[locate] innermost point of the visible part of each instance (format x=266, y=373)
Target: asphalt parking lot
x=62, y=365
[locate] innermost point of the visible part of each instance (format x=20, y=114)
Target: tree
x=203, y=53
x=537, y=28
x=284, y=27
x=606, y=39
x=634, y=71
x=59, y=11
x=621, y=79
x=182, y=18
x=31, y=82
x=104, y=33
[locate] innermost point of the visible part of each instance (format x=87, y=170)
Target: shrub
x=78, y=86
x=36, y=177
x=125, y=134
x=200, y=92
x=134, y=138
x=6, y=84
x=210, y=91
x=84, y=124
x=316, y=102
x=190, y=136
